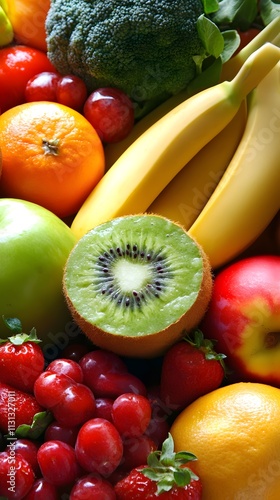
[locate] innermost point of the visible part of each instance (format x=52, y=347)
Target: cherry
x=49, y=387
x=58, y=432
x=67, y=367
x=136, y=451
x=111, y=113
x=104, y=408
x=99, y=447
x=107, y=375
x=42, y=490
x=74, y=351
x=131, y=414
x=28, y=450
x=77, y=405
x=94, y=487
x=58, y=463
x=16, y=476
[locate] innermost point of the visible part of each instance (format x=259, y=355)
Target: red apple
x=244, y=318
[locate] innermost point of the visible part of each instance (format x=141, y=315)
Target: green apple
x=34, y=247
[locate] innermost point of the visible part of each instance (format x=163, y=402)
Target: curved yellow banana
x=185, y=196
x=248, y=196
x=271, y=33
x=153, y=160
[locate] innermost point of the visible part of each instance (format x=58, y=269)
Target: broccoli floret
x=143, y=47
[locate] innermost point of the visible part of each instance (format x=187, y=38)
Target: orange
x=235, y=433
x=28, y=20
x=51, y=155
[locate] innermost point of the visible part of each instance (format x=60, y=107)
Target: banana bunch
x=6, y=29
x=191, y=147
x=248, y=195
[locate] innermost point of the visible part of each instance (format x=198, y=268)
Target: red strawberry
x=166, y=476
x=16, y=408
x=190, y=369
x=21, y=358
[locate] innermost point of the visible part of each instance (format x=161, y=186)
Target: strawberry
x=21, y=358
x=16, y=408
x=165, y=476
x=190, y=369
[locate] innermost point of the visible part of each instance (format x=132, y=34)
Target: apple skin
x=244, y=318
x=34, y=247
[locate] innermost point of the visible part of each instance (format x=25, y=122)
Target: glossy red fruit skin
x=58, y=463
x=131, y=414
x=49, y=387
x=42, y=87
x=57, y=432
x=107, y=375
x=42, y=490
x=16, y=476
x=110, y=112
x=28, y=450
x=136, y=450
x=20, y=365
x=71, y=91
x=92, y=487
x=18, y=63
x=246, y=294
x=136, y=486
x=67, y=367
x=25, y=404
x=71, y=403
x=186, y=375
x=77, y=405
x=99, y=447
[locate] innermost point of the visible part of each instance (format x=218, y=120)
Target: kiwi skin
x=155, y=344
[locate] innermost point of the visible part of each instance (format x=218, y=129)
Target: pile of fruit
x=140, y=259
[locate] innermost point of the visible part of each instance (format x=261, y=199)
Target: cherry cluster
x=103, y=423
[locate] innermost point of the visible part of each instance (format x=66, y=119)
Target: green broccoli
x=144, y=47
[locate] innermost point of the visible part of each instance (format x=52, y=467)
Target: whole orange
x=234, y=432
x=28, y=20
x=51, y=155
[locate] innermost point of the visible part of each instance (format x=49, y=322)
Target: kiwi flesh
x=136, y=284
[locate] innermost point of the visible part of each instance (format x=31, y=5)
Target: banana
x=185, y=196
x=247, y=197
x=271, y=33
x=153, y=160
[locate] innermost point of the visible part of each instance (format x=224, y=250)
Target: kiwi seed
x=135, y=284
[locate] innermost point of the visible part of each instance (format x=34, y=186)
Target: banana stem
x=255, y=68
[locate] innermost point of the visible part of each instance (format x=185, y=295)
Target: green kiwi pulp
x=135, y=277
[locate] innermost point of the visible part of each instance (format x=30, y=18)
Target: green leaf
x=269, y=10
x=37, y=428
x=182, y=477
x=167, y=451
x=210, y=6
x=13, y=324
x=239, y=14
x=231, y=44
x=210, y=35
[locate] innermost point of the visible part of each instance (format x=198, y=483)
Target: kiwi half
x=136, y=284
